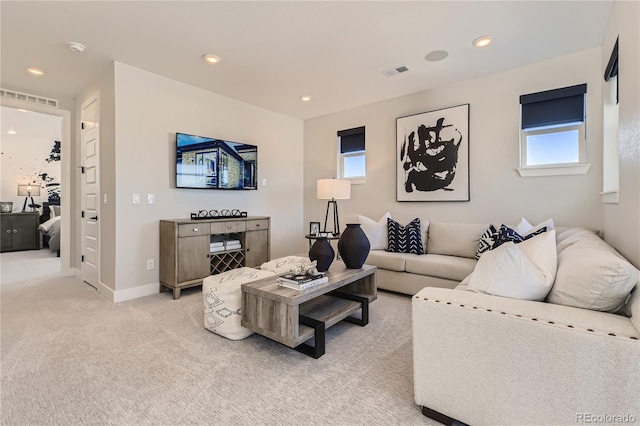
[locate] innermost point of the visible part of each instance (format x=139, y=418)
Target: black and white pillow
x=487, y=240
x=492, y=238
x=405, y=239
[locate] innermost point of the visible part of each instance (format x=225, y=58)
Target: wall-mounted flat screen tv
x=210, y=163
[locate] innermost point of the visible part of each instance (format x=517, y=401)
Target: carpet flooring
x=70, y=357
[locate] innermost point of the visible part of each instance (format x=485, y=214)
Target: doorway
x=14, y=105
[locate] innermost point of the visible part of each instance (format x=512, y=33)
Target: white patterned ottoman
x=285, y=264
x=223, y=301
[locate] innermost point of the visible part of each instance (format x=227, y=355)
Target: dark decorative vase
x=353, y=246
x=322, y=252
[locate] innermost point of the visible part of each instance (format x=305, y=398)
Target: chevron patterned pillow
x=405, y=239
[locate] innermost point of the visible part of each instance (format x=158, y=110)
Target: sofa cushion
x=455, y=239
x=591, y=274
x=376, y=232
x=387, y=260
x=520, y=271
x=405, y=239
x=440, y=266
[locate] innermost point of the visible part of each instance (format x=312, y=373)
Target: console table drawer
x=253, y=225
x=191, y=229
x=227, y=227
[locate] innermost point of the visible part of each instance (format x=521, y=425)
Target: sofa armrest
x=484, y=359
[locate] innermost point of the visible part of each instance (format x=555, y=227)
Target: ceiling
x=275, y=52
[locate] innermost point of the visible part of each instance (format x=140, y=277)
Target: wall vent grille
x=396, y=70
x=11, y=94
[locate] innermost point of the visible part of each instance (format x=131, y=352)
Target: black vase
x=353, y=246
x=322, y=252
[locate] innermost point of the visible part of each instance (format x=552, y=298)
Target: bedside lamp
x=28, y=191
x=332, y=190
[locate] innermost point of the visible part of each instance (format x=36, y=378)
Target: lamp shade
x=28, y=190
x=333, y=189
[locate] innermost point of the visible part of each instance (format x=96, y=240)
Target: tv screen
x=209, y=163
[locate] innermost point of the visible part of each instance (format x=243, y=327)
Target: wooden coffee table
x=293, y=317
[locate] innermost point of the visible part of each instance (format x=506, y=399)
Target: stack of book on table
x=302, y=281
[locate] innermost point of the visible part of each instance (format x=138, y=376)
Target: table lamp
x=28, y=191
x=332, y=190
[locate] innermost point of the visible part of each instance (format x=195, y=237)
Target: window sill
x=573, y=169
x=610, y=197
x=357, y=181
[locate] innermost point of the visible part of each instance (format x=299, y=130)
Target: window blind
x=553, y=107
x=351, y=140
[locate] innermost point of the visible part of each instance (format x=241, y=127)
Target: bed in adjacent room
x=50, y=226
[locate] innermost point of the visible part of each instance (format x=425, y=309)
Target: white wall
x=622, y=220
x=150, y=109
x=498, y=194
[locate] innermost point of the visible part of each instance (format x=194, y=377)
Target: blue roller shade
x=553, y=107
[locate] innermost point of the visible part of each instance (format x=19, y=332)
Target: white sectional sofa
x=449, y=257
x=573, y=359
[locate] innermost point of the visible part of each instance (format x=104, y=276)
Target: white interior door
x=90, y=137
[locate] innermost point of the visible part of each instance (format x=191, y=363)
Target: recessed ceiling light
x=23, y=110
x=483, y=41
x=436, y=55
x=11, y=132
x=35, y=71
x=212, y=59
x=305, y=98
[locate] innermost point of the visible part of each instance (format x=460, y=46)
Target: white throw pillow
x=520, y=271
x=376, y=232
x=524, y=228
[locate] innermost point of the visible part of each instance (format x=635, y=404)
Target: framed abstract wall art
x=432, y=155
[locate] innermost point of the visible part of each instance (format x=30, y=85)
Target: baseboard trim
x=136, y=292
x=76, y=273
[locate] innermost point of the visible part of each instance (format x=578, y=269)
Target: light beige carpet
x=70, y=357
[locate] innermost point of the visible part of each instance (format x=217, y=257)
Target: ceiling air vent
x=395, y=70
x=19, y=96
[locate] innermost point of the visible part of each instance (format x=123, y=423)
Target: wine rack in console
x=191, y=250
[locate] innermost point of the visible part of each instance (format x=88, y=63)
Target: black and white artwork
x=432, y=149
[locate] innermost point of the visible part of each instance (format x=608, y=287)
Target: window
x=552, y=139
x=610, y=158
x=351, y=155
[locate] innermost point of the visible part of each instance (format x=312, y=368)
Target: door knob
x=94, y=218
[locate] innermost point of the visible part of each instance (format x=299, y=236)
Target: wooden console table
x=185, y=256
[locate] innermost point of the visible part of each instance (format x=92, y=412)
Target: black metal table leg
x=317, y=350
x=364, y=303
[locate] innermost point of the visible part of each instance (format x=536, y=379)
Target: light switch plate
x=151, y=198
x=136, y=198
